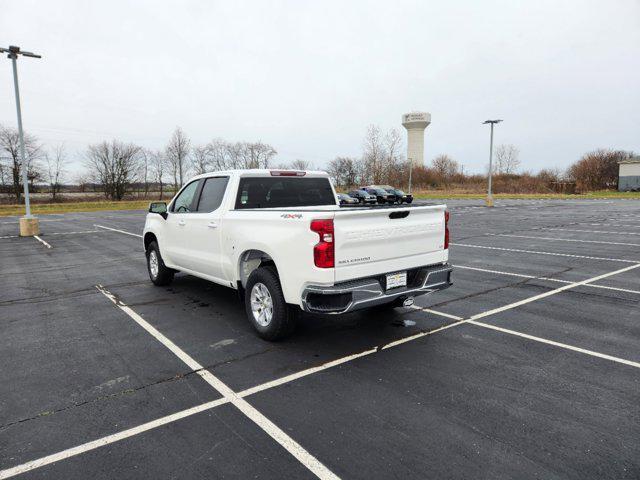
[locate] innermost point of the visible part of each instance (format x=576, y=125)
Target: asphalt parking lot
x=527, y=367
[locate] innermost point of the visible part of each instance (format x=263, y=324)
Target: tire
x=159, y=273
x=264, y=291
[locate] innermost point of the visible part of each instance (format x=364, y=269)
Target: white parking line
x=10, y=472
x=57, y=233
x=562, y=239
x=590, y=231
x=119, y=231
x=536, y=339
x=73, y=233
x=39, y=221
x=116, y=437
x=288, y=443
x=557, y=280
x=556, y=344
x=42, y=241
x=544, y=253
x=627, y=225
x=552, y=292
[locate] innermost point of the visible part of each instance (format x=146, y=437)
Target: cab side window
x=212, y=193
x=184, y=202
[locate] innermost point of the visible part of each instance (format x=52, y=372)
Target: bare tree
x=200, y=158
x=373, y=154
x=113, y=165
x=177, y=153
x=158, y=164
x=343, y=171
x=10, y=147
x=392, y=153
x=4, y=173
x=144, y=173
x=445, y=167
x=221, y=155
x=301, y=165
x=598, y=169
x=506, y=159
x=257, y=154
x=82, y=180
x=56, y=163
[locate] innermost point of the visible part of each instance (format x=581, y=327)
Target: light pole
x=410, y=169
x=489, y=200
x=28, y=223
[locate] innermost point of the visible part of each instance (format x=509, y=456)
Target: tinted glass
x=273, y=192
x=212, y=193
x=185, y=200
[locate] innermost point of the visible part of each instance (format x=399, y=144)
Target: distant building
x=629, y=174
x=415, y=123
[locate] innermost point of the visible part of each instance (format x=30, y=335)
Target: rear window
x=270, y=192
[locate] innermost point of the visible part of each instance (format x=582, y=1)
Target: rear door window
x=212, y=193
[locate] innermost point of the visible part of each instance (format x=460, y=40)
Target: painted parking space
x=507, y=373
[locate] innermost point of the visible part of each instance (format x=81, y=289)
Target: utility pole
x=28, y=224
x=489, y=200
x=410, y=169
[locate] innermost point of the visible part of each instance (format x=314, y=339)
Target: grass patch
x=542, y=196
x=69, y=207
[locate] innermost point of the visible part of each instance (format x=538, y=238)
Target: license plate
x=395, y=280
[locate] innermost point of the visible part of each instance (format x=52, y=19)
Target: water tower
x=415, y=123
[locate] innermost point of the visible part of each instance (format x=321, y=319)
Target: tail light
x=446, y=229
x=324, y=250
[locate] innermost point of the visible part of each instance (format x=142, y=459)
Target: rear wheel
x=266, y=308
x=159, y=273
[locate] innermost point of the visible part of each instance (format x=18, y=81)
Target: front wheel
x=266, y=308
x=159, y=273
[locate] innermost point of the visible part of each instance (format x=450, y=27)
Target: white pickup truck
x=282, y=240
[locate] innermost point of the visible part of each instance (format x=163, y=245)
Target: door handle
x=182, y=223
x=212, y=225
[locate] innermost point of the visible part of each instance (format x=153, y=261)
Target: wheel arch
x=249, y=261
x=148, y=238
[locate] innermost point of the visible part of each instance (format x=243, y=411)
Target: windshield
x=274, y=192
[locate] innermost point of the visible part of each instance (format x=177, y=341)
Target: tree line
x=115, y=167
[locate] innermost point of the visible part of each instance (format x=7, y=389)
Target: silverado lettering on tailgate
x=382, y=233
x=354, y=260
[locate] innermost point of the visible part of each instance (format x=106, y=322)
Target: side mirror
x=159, y=207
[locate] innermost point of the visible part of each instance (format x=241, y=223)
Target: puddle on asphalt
x=404, y=323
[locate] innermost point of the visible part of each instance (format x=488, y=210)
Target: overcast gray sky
x=308, y=77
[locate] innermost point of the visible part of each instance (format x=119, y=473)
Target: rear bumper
x=367, y=292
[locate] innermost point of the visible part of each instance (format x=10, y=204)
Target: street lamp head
x=491, y=121
x=14, y=51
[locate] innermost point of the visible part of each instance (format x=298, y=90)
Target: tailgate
x=375, y=241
